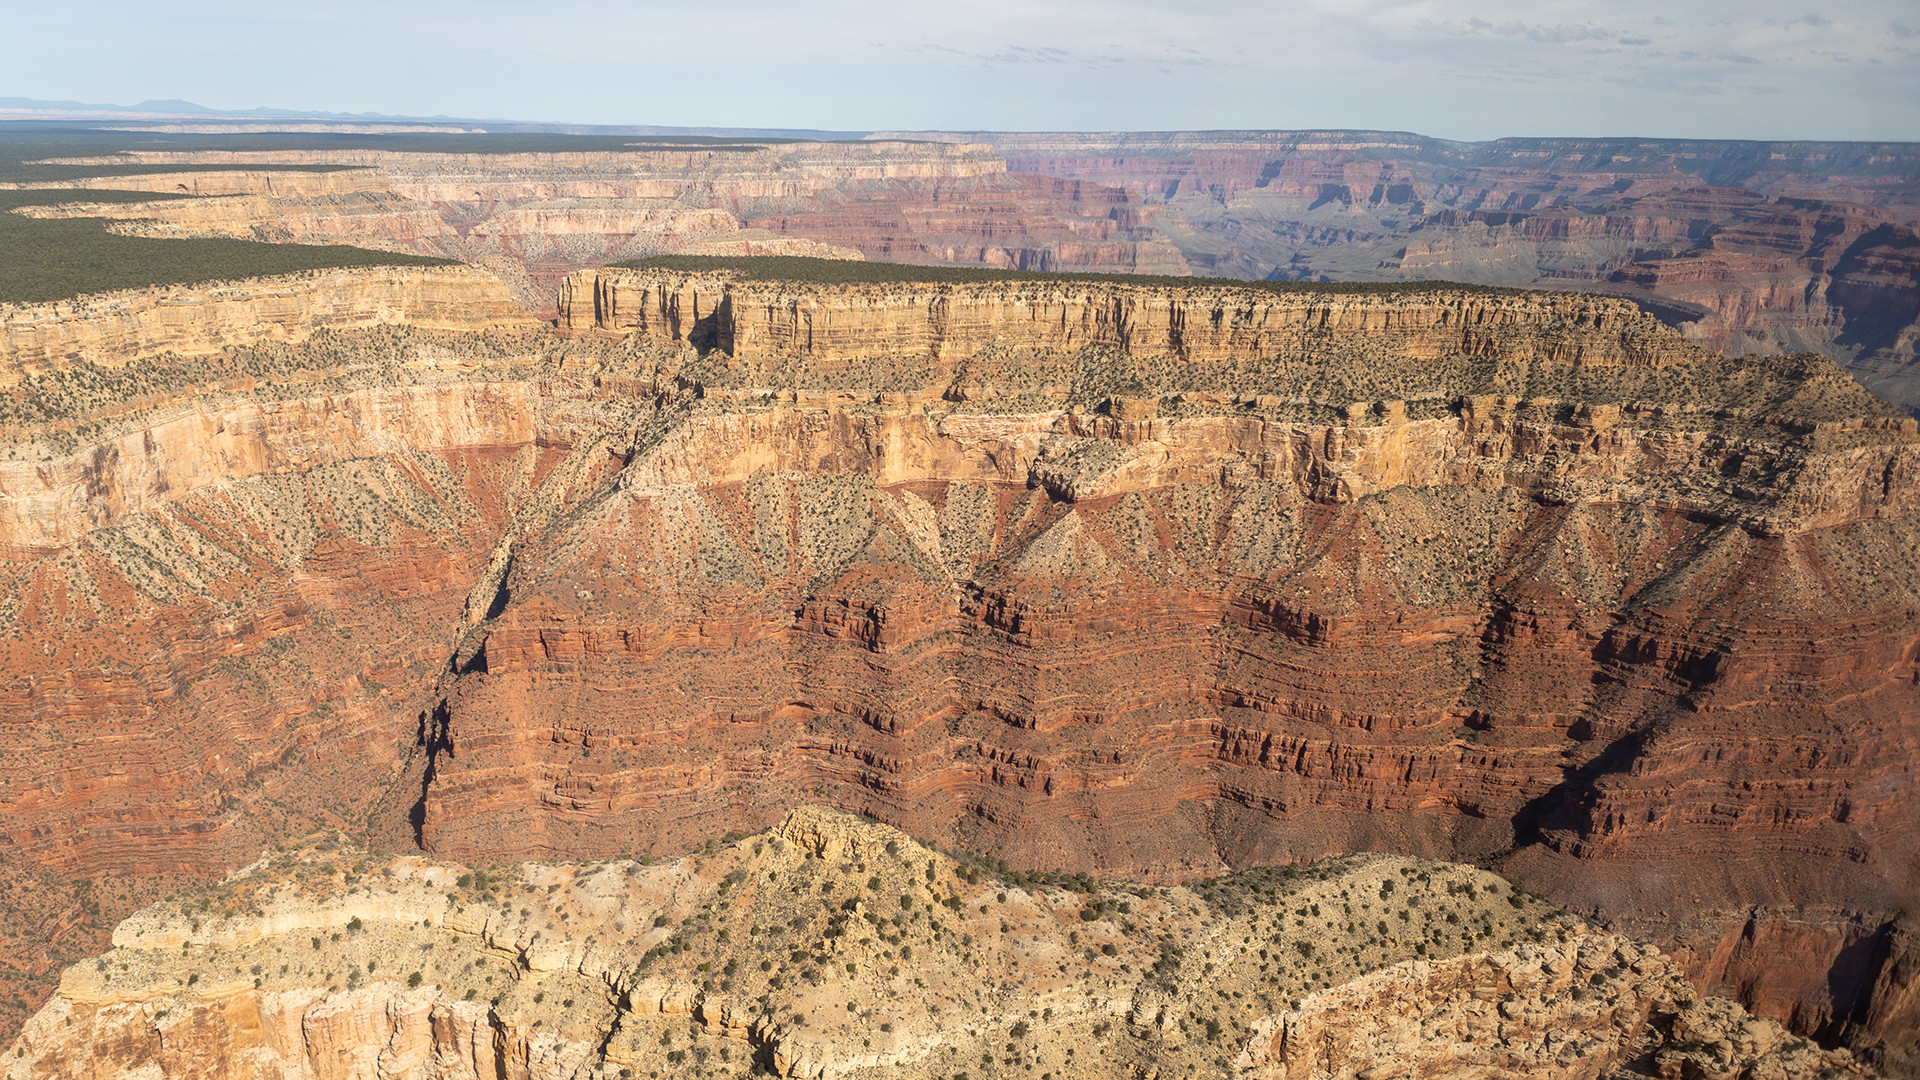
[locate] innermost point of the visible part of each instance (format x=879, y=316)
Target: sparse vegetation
x=58, y=258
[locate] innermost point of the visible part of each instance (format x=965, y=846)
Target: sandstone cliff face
x=640, y=172
x=218, y=568
x=755, y=320
x=114, y=329
x=831, y=947
x=1010, y=603
x=273, y=183
x=47, y=505
x=1056, y=589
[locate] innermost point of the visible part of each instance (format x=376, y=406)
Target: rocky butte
x=1154, y=582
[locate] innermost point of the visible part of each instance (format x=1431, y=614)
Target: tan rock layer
x=830, y=947
x=114, y=329
x=50, y=504
x=784, y=170
x=754, y=319
x=272, y=183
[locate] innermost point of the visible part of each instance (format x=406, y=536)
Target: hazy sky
x=1708, y=68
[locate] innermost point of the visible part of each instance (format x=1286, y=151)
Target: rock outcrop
x=267, y=182
x=1778, y=247
x=831, y=947
x=224, y=573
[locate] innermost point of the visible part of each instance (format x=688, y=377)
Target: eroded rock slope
x=832, y=947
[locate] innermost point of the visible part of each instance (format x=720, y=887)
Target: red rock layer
x=1801, y=246
x=1799, y=270
x=1775, y=248
x=1012, y=222
x=225, y=627
x=1671, y=714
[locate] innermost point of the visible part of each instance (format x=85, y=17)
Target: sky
x=1762, y=69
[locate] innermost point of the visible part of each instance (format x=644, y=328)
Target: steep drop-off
x=1454, y=575
x=107, y=330
x=1089, y=577
x=237, y=529
x=759, y=321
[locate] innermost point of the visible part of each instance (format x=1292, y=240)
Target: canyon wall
x=1377, y=587
x=753, y=320
x=108, y=330
x=533, y=218
x=239, y=525
x=1768, y=247
x=1162, y=581
x=268, y=182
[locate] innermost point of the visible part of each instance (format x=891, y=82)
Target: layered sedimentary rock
x=108, y=330
x=1776, y=247
x=1011, y=222
x=270, y=183
x=831, y=947
x=1511, y=174
x=1747, y=247
x=1380, y=587
x=761, y=320
x=1018, y=569
x=228, y=575
x=637, y=172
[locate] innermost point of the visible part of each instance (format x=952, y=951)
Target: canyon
x=1745, y=247
x=1155, y=579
